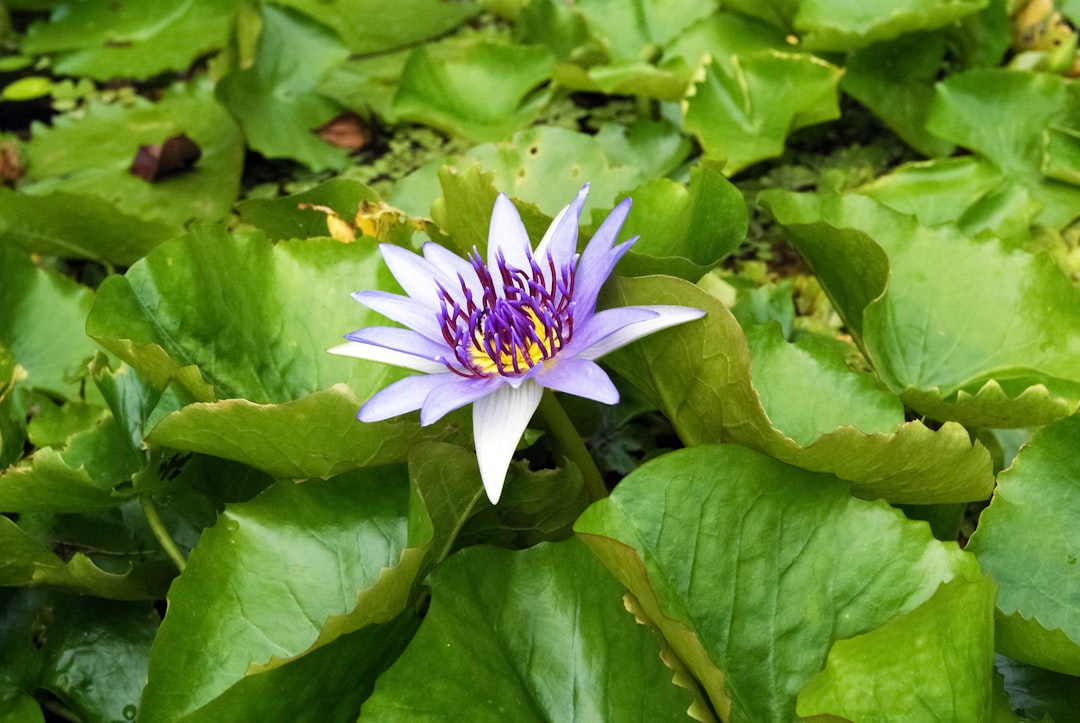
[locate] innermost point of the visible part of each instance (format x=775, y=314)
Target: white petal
x=455, y=268
x=499, y=420
x=417, y=275
x=507, y=234
x=580, y=377
x=387, y=356
x=404, y=395
x=418, y=316
x=668, y=316
x=563, y=232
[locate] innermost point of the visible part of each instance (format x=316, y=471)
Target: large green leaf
x=240, y=320
x=684, y=230
x=41, y=323
x=967, y=190
x=90, y=654
x=1012, y=118
x=373, y=26
x=24, y=561
x=753, y=569
x=91, y=155
x=632, y=31
x=536, y=635
x=547, y=165
x=701, y=375
x=1026, y=541
x=105, y=39
x=930, y=664
x=276, y=580
x=316, y=436
x=839, y=25
x=1036, y=692
x=276, y=100
x=896, y=80
x=964, y=329
x=473, y=87
x=74, y=226
x=752, y=90
x=243, y=311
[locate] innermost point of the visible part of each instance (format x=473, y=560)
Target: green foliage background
x=850, y=492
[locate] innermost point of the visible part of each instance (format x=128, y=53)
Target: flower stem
x=162, y=535
x=571, y=445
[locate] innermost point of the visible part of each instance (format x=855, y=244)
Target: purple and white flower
x=496, y=334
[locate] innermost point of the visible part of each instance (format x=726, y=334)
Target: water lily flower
x=496, y=334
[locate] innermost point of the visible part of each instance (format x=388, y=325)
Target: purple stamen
x=517, y=324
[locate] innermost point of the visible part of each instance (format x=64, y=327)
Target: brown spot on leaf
x=176, y=155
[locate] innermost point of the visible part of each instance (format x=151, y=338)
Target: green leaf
x=316, y=436
x=930, y=664
x=244, y=312
x=807, y=389
x=752, y=89
x=89, y=653
x=52, y=347
x=91, y=155
x=967, y=190
x=74, y=226
x=837, y=25
x=632, y=31
x=959, y=327
x=105, y=39
x=1035, y=692
x=517, y=636
x=546, y=166
x=83, y=476
x=293, y=218
x=753, y=613
x=276, y=580
x=276, y=101
x=371, y=26
x=895, y=79
x=1025, y=541
x=472, y=87
x=655, y=148
x=25, y=561
x=700, y=376
x=1008, y=117
x=684, y=230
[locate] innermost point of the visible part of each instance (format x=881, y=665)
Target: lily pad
x=945, y=313
x=234, y=322
x=752, y=90
x=684, y=230
x=276, y=100
x=516, y=635
x=473, y=87
x=371, y=26
x=753, y=613
x=288, y=573
x=930, y=664
x=895, y=79
x=74, y=226
x=51, y=347
x=1009, y=117
x=103, y=39
x=92, y=156
x=91, y=654
x=25, y=561
x=1025, y=540
x=702, y=376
